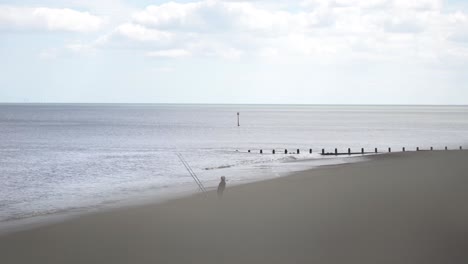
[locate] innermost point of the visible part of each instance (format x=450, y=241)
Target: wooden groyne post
x=349, y=151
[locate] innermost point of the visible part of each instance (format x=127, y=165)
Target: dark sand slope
x=397, y=208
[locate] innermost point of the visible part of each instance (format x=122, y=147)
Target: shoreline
x=393, y=208
x=173, y=193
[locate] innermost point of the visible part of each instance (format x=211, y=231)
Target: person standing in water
x=221, y=187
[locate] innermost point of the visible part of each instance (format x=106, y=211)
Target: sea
x=61, y=160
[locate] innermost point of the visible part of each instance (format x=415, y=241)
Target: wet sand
x=394, y=208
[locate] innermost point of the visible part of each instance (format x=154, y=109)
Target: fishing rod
x=192, y=173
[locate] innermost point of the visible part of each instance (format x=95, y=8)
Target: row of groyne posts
x=349, y=152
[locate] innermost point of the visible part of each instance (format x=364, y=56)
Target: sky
x=213, y=51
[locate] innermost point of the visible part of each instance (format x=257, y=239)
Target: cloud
x=48, y=54
x=375, y=4
x=218, y=16
x=323, y=28
x=81, y=48
x=211, y=28
x=141, y=33
x=171, y=53
x=403, y=25
x=162, y=69
x=52, y=19
x=171, y=14
x=422, y=5
x=327, y=30
x=459, y=21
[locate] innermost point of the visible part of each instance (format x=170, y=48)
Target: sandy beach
x=393, y=208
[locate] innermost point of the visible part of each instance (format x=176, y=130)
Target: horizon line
x=290, y=104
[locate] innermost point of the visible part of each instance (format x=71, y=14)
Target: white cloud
x=419, y=4
x=403, y=25
x=318, y=29
x=344, y=3
x=141, y=33
x=53, y=19
x=173, y=14
x=325, y=28
x=48, y=54
x=459, y=21
x=81, y=48
x=219, y=16
x=268, y=52
x=163, y=69
x=371, y=4
x=170, y=53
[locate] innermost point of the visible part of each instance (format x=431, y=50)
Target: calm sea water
x=57, y=158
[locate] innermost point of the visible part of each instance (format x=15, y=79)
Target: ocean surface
x=68, y=158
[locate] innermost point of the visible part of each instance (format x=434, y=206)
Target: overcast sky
x=306, y=52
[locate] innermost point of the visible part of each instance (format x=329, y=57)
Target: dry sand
x=396, y=208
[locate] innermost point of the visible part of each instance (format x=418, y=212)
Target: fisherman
x=221, y=187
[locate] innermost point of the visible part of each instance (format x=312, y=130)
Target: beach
x=392, y=208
